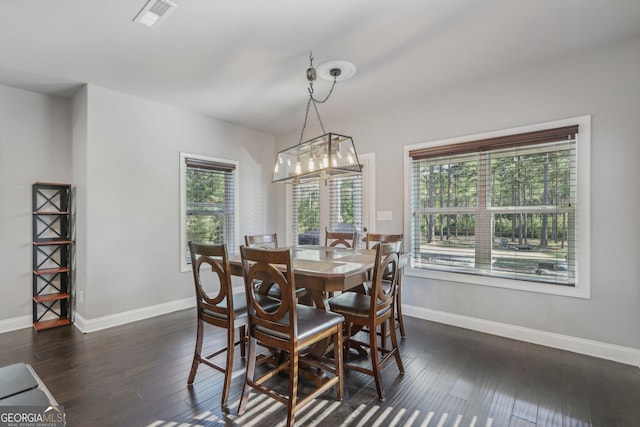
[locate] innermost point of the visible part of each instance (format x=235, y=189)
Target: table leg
x=319, y=299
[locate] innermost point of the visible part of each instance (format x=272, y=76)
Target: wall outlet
x=81, y=297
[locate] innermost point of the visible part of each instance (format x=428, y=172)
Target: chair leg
x=337, y=359
x=228, y=370
x=399, y=306
x=250, y=370
x=347, y=341
x=243, y=340
x=394, y=344
x=196, y=353
x=375, y=362
x=293, y=388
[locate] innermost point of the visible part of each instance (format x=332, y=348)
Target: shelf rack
x=52, y=244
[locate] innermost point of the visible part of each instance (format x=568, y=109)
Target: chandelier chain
x=314, y=101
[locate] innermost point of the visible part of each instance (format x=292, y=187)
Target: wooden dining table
x=323, y=270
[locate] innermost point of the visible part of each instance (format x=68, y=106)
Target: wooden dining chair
x=210, y=265
x=290, y=329
x=372, y=311
x=334, y=239
x=267, y=241
x=373, y=239
x=338, y=239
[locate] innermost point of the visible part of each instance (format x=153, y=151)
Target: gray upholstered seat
x=21, y=386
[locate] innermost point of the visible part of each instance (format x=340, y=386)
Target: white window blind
x=500, y=207
x=335, y=205
x=305, y=224
x=210, y=206
x=345, y=204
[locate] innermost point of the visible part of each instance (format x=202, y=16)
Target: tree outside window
x=209, y=202
x=498, y=208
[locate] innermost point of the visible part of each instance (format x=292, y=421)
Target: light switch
x=385, y=215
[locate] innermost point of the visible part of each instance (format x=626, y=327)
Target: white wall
x=35, y=145
x=132, y=196
x=602, y=83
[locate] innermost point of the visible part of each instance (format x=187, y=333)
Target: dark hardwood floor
x=136, y=375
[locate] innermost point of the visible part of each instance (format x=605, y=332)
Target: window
x=503, y=209
x=306, y=212
x=338, y=204
x=208, y=203
x=345, y=204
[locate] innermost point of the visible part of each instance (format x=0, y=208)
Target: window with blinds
x=306, y=212
x=500, y=207
x=209, y=197
x=345, y=204
x=335, y=204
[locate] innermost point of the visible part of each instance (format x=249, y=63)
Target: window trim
x=184, y=266
x=582, y=288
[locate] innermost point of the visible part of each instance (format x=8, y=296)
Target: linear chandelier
x=327, y=155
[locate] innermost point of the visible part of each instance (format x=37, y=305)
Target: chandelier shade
x=321, y=157
x=324, y=156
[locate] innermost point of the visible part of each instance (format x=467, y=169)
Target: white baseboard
x=616, y=353
x=92, y=325
x=626, y=355
x=16, y=323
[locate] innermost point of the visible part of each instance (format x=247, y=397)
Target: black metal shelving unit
x=52, y=242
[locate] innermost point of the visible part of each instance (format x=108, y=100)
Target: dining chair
x=267, y=241
x=339, y=239
x=210, y=265
x=290, y=329
x=334, y=239
x=373, y=239
x=373, y=311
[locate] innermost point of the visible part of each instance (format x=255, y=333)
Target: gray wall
x=602, y=83
x=131, y=197
x=79, y=166
x=35, y=145
x=121, y=153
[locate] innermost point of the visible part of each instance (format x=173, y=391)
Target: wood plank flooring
x=135, y=375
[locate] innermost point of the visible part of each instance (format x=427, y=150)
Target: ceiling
x=244, y=61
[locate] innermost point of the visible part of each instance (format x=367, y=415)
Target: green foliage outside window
x=348, y=201
x=507, y=211
x=206, y=206
x=308, y=206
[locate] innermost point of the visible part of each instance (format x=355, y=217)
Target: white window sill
x=580, y=290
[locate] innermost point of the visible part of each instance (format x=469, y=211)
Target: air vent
x=154, y=12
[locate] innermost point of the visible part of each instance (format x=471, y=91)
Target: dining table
x=323, y=270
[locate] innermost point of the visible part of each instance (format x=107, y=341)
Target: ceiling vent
x=154, y=12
